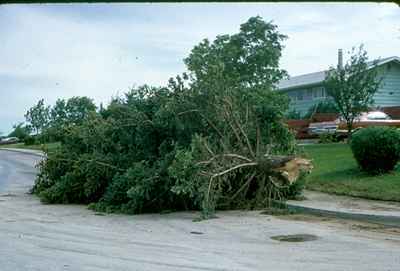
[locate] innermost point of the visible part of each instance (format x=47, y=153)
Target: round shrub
x=376, y=149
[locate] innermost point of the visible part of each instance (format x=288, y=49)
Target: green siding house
x=306, y=90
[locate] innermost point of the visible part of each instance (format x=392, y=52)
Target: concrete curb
x=25, y=151
x=389, y=221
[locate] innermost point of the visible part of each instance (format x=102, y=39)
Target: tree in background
x=71, y=111
x=38, y=116
x=353, y=86
x=65, y=113
x=20, y=131
x=49, y=123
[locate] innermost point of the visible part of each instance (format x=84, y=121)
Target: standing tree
x=353, y=86
x=38, y=116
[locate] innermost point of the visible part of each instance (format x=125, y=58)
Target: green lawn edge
x=336, y=172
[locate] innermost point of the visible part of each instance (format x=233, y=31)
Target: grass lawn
x=335, y=171
x=49, y=147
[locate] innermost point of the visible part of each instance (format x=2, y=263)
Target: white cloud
x=98, y=50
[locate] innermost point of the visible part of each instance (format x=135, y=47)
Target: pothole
x=196, y=232
x=295, y=238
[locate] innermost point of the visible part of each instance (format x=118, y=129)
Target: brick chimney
x=340, y=59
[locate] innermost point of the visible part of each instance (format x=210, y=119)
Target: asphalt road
x=16, y=165
x=34, y=236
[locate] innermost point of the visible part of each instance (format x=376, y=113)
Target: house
x=307, y=90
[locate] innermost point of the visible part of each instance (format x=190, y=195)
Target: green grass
x=49, y=147
x=335, y=171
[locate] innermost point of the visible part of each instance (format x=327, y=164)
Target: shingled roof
x=319, y=77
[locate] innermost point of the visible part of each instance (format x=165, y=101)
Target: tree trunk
x=349, y=129
x=288, y=168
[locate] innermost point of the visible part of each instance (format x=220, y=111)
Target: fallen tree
x=213, y=139
x=240, y=167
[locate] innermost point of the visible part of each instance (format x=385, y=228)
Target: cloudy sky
x=101, y=50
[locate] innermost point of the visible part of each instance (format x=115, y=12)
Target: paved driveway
x=34, y=236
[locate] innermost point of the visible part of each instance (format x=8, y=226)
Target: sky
x=102, y=50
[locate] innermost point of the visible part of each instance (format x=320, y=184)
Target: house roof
x=319, y=77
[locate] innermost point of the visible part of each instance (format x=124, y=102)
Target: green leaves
x=38, y=116
x=353, y=87
x=246, y=59
x=376, y=149
x=143, y=151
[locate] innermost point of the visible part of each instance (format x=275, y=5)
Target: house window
x=292, y=95
x=300, y=95
x=315, y=93
x=323, y=92
x=309, y=94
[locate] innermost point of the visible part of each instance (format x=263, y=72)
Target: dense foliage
x=376, y=149
x=199, y=143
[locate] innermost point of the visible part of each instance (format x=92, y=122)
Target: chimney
x=340, y=59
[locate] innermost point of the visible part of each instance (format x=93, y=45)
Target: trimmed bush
x=376, y=149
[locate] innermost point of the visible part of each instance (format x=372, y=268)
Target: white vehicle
x=318, y=128
x=9, y=140
x=372, y=118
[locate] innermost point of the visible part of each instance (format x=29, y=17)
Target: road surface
x=34, y=236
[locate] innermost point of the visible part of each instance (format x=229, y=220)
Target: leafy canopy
x=353, y=86
x=246, y=59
